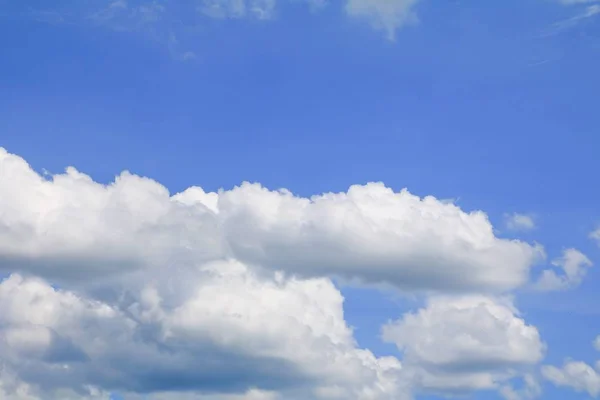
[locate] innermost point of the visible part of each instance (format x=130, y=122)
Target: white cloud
x=589, y=9
x=519, y=222
x=70, y=228
x=465, y=344
x=232, y=332
x=375, y=235
x=293, y=320
x=387, y=15
x=229, y=292
x=574, y=266
x=574, y=374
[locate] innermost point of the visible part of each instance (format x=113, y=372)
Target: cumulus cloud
x=234, y=332
x=576, y=375
x=574, y=265
x=228, y=295
x=519, y=222
x=69, y=227
x=376, y=235
x=458, y=345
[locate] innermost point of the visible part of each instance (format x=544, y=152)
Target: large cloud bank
x=228, y=295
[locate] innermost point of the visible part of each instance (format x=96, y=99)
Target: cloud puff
x=68, y=227
x=71, y=228
x=574, y=265
x=463, y=344
x=375, y=235
x=519, y=222
x=576, y=375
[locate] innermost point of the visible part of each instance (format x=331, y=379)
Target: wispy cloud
x=163, y=19
x=519, y=222
x=387, y=15
x=260, y=9
x=123, y=16
x=164, y=15
x=586, y=10
x=596, y=235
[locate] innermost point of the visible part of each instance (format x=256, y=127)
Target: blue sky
x=491, y=104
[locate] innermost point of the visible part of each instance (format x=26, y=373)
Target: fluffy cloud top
x=470, y=342
x=234, y=332
x=577, y=375
x=69, y=227
x=375, y=235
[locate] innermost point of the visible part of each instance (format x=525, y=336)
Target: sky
x=299, y=199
